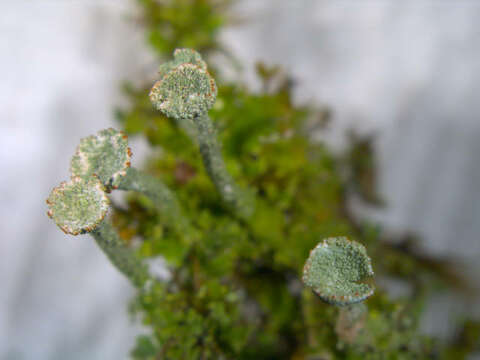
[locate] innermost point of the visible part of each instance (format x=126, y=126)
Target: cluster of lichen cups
x=100, y=165
x=336, y=268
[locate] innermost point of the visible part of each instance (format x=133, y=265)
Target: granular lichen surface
x=336, y=270
x=105, y=154
x=78, y=206
x=186, y=90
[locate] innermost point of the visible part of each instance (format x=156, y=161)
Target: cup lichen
x=108, y=156
x=105, y=154
x=186, y=90
x=337, y=269
x=79, y=205
x=185, y=93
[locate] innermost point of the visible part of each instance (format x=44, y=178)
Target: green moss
x=301, y=197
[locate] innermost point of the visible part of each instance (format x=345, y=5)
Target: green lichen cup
x=105, y=154
x=338, y=271
x=186, y=90
x=79, y=205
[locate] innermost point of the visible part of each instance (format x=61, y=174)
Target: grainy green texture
x=123, y=258
x=79, y=205
x=184, y=92
x=335, y=269
x=185, y=89
x=182, y=56
x=105, y=154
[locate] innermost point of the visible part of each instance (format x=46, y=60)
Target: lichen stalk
x=186, y=92
x=188, y=128
x=350, y=321
x=164, y=200
x=123, y=258
x=235, y=197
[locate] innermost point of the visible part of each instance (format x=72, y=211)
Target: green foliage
x=234, y=291
x=183, y=23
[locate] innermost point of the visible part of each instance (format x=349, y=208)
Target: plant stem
x=120, y=255
x=163, y=199
x=239, y=200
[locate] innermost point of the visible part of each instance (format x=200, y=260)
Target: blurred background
x=407, y=72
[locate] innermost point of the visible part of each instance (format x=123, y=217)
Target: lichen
x=79, y=205
x=336, y=269
x=105, y=154
x=186, y=90
x=182, y=56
